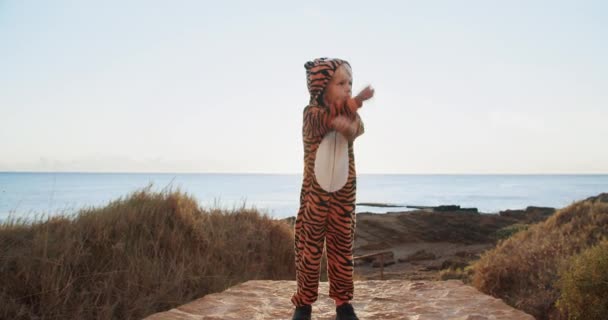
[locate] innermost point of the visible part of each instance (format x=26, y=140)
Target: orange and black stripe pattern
x=325, y=220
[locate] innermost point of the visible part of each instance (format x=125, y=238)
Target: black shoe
x=302, y=313
x=346, y=312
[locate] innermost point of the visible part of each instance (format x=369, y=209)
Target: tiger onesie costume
x=326, y=216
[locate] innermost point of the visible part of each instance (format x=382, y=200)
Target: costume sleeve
x=349, y=108
x=361, y=128
x=316, y=122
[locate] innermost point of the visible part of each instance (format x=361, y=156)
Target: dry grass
x=420, y=226
x=524, y=269
x=136, y=256
x=463, y=274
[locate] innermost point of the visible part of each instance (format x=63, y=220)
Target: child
x=327, y=199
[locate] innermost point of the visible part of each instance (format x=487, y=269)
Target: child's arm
x=360, y=129
x=351, y=129
x=365, y=94
x=318, y=121
x=351, y=125
x=351, y=105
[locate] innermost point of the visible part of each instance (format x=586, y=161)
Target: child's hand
x=338, y=104
x=365, y=94
x=345, y=126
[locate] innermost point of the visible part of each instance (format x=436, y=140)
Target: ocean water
x=29, y=195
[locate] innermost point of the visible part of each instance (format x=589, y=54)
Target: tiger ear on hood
x=309, y=64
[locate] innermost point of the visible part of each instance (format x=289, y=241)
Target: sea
x=35, y=195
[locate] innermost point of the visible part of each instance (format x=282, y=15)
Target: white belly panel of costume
x=331, y=162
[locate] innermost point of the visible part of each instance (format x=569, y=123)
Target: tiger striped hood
x=318, y=74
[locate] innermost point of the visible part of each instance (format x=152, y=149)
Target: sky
x=513, y=87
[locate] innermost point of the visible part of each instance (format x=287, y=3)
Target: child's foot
x=302, y=313
x=346, y=312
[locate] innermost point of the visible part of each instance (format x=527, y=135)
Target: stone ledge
x=390, y=299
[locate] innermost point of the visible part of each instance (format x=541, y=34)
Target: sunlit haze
x=219, y=86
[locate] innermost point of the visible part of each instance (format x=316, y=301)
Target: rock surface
x=391, y=299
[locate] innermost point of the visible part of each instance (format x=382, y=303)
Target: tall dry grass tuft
x=524, y=269
x=139, y=255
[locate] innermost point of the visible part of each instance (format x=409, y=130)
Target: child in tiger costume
x=326, y=217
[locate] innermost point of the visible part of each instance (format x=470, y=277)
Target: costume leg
x=310, y=230
x=340, y=238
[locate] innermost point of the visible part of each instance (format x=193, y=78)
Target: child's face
x=339, y=86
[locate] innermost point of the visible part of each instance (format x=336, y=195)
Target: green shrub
x=523, y=269
x=584, y=284
x=508, y=231
x=465, y=274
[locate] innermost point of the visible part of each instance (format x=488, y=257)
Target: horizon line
x=294, y=173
